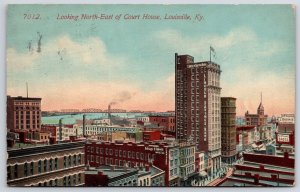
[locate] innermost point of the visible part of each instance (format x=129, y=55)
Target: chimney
x=109, y=115
x=83, y=125
x=60, y=129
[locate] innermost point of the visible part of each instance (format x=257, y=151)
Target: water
x=71, y=119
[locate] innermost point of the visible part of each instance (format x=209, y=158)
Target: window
x=74, y=160
x=124, y=153
x=55, y=163
x=40, y=166
x=79, y=178
x=65, y=181
x=69, y=181
x=101, y=151
x=51, y=164
x=92, y=158
x=74, y=180
x=116, y=153
x=31, y=168
x=25, y=169
x=79, y=159
x=65, y=162
x=16, y=171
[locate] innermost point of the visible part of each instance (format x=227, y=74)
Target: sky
x=89, y=64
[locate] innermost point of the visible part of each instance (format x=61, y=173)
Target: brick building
x=198, y=106
x=151, y=135
x=164, y=155
x=259, y=119
x=228, y=115
x=23, y=113
x=285, y=137
x=263, y=170
x=165, y=121
x=50, y=165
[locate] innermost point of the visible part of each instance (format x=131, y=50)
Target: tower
x=228, y=139
x=260, y=109
x=198, y=106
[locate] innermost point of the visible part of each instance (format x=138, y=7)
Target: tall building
x=198, y=106
x=23, y=113
x=228, y=139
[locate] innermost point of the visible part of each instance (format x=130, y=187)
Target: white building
x=105, y=121
x=98, y=129
x=67, y=131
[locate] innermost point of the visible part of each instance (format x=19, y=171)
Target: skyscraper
x=198, y=106
x=228, y=139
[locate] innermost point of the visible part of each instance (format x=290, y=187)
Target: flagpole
x=210, y=54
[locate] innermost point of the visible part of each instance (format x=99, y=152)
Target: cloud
x=20, y=61
x=249, y=66
x=91, y=51
x=195, y=45
x=64, y=51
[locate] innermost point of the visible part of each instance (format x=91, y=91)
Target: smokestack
x=109, y=115
x=60, y=129
x=83, y=126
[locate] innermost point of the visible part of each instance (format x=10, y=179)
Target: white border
x=3, y=4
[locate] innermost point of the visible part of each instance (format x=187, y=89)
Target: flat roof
x=24, y=98
x=13, y=153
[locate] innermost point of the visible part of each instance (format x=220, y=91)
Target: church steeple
x=260, y=109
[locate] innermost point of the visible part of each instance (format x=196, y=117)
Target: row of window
x=119, y=153
x=111, y=161
x=26, y=108
x=66, y=181
x=42, y=166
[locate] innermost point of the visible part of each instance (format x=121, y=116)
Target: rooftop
x=110, y=171
x=23, y=98
x=33, y=150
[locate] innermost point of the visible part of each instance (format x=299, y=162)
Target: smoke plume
x=121, y=97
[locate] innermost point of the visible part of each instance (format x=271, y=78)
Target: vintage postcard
x=150, y=95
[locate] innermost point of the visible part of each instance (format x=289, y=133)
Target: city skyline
x=90, y=64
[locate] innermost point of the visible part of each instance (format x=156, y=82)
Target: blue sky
x=99, y=61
